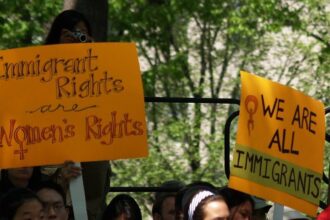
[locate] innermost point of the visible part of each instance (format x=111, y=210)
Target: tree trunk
x=95, y=174
x=96, y=12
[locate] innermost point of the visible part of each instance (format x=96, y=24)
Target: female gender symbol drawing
x=251, y=111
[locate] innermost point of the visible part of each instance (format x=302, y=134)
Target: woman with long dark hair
x=71, y=26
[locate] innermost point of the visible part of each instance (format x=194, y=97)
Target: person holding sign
x=71, y=26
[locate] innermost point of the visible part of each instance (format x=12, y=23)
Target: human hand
x=70, y=171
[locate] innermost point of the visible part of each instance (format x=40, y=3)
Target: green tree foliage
x=316, y=15
x=24, y=22
x=196, y=49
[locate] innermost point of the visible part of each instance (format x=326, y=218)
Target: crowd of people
x=27, y=194
x=203, y=201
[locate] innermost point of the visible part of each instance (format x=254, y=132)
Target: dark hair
x=199, y=213
x=67, y=19
x=14, y=199
x=183, y=196
x=173, y=187
x=122, y=204
x=53, y=186
x=157, y=206
x=6, y=184
x=235, y=198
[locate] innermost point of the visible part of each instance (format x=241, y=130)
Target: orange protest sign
x=80, y=102
x=279, y=145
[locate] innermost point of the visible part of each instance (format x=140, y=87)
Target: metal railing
x=229, y=120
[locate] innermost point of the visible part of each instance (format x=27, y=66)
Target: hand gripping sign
x=80, y=102
x=279, y=146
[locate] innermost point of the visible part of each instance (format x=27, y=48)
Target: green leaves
x=196, y=49
x=24, y=22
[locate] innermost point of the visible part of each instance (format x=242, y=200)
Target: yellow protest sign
x=80, y=102
x=279, y=146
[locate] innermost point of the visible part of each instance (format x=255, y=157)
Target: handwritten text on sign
x=279, y=148
x=82, y=102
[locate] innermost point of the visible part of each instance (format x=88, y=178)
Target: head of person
x=20, y=177
x=184, y=194
x=261, y=208
x=122, y=207
x=289, y=214
x=21, y=204
x=164, y=205
x=206, y=205
x=53, y=199
x=70, y=26
x=241, y=205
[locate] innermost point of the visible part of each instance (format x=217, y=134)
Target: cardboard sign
x=80, y=102
x=279, y=147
